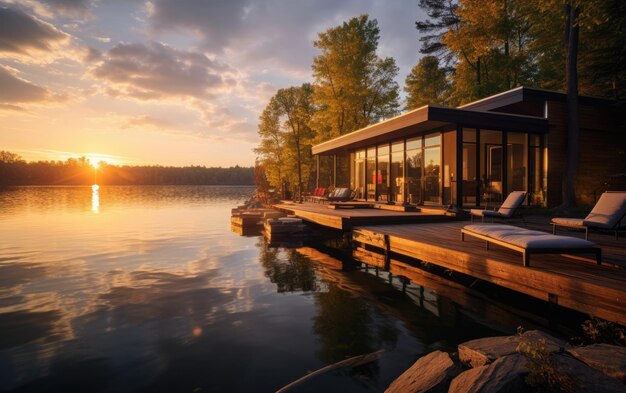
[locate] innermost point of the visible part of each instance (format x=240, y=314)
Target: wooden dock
x=346, y=219
x=573, y=282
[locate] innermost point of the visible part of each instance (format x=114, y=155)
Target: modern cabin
x=476, y=154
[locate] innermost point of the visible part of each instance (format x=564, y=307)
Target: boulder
x=431, y=373
x=608, y=359
x=585, y=379
x=505, y=375
x=483, y=351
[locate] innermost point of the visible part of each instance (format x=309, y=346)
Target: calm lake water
x=147, y=289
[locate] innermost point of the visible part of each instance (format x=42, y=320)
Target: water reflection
x=95, y=199
x=158, y=295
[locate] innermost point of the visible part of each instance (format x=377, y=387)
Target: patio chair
x=507, y=210
x=530, y=242
x=340, y=195
x=606, y=216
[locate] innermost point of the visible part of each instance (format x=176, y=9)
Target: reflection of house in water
x=478, y=153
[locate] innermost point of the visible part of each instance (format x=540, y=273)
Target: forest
x=468, y=49
x=80, y=171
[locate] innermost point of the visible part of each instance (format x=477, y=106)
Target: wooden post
x=459, y=166
x=317, y=171
x=478, y=168
x=505, y=164
x=334, y=170
x=387, y=252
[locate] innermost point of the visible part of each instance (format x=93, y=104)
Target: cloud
x=157, y=71
x=16, y=90
x=11, y=108
x=23, y=34
x=75, y=8
x=214, y=21
x=273, y=33
x=146, y=121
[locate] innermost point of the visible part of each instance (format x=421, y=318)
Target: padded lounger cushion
x=526, y=238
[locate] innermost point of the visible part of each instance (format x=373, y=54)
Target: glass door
x=414, y=167
x=397, y=172
x=432, y=169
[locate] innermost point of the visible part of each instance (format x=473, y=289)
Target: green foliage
x=598, y=331
x=543, y=375
x=442, y=16
x=353, y=86
x=493, y=45
x=426, y=84
x=286, y=136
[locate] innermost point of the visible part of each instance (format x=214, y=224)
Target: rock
x=431, y=373
x=608, y=359
x=485, y=350
x=505, y=375
x=585, y=379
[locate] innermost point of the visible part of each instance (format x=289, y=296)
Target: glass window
x=371, y=174
x=358, y=176
x=517, y=161
x=449, y=167
x=414, y=168
x=491, y=162
x=397, y=147
x=432, y=174
x=382, y=175
x=414, y=143
x=470, y=180
x=432, y=140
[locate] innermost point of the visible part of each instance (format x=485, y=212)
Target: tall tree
x=426, y=84
x=353, y=86
x=286, y=136
x=573, y=127
x=491, y=45
x=443, y=17
x=270, y=149
x=295, y=104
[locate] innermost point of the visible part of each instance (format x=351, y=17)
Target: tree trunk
x=573, y=127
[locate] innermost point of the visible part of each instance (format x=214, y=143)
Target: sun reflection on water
x=95, y=199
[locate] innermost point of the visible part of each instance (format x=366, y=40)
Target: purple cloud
x=20, y=32
x=156, y=71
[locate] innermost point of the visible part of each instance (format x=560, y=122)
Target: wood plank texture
x=578, y=282
x=345, y=219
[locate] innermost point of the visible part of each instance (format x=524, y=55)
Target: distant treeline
x=16, y=171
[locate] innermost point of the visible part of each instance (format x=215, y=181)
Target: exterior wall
x=602, y=152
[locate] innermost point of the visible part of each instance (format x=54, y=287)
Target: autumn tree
x=295, y=105
x=271, y=145
x=354, y=87
x=491, y=46
x=426, y=84
x=286, y=136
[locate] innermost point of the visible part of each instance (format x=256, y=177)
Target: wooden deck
x=574, y=282
x=346, y=219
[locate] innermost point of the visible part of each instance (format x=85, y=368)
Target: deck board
x=577, y=281
x=346, y=219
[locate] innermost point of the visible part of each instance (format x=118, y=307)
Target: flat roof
x=431, y=118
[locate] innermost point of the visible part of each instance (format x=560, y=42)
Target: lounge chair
x=530, y=242
x=509, y=208
x=607, y=215
x=340, y=195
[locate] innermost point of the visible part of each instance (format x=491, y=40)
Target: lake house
x=476, y=154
